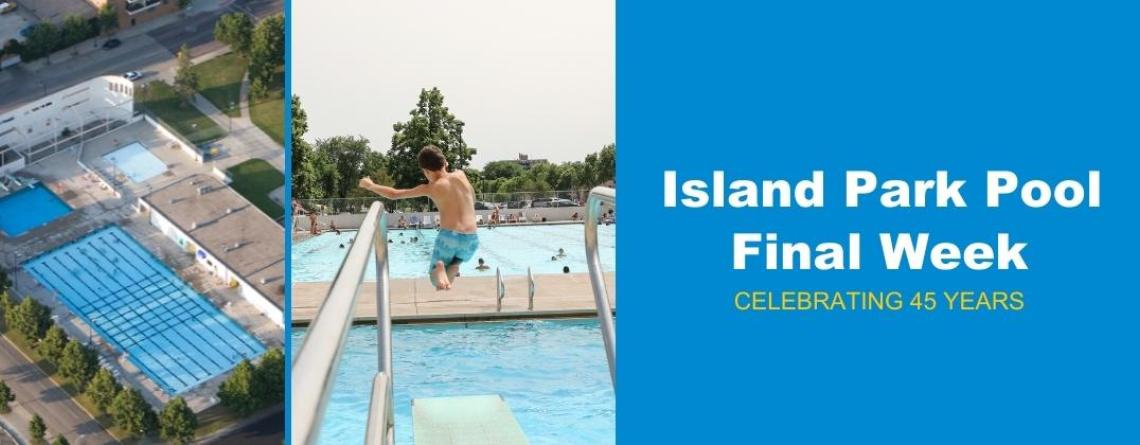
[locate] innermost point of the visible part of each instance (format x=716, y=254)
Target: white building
x=63, y=119
x=240, y=246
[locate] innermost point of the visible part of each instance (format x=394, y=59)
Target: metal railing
x=314, y=367
x=599, y=196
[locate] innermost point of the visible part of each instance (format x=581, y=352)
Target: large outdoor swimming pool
x=30, y=208
x=511, y=248
x=553, y=374
x=136, y=162
x=174, y=335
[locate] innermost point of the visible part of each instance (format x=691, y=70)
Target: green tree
x=236, y=392
x=267, y=49
x=177, y=422
x=107, y=18
x=37, y=428
x=5, y=282
x=183, y=4
x=130, y=411
x=53, y=344
x=348, y=155
x=502, y=169
x=236, y=30
x=103, y=389
x=269, y=378
x=6, y=305
x=75, y=29
x=30, y=318
x=78, y=363
x=60, y=440
x=305, y=168
x=431, y=123
x=42, y=40
x=6, y=397
x=185, y=78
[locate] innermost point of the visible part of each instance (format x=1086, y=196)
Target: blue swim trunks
x=453, y=247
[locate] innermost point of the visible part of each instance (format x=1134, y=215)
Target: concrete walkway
x=36, y=393
x=472, y=298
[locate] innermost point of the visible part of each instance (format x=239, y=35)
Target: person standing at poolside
x=453, y=194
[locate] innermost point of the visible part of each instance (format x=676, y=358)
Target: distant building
x=526, y=162
x=135, y=12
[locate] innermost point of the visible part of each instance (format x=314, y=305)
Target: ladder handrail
x=314, y=366
x=598, y=196
x=382, y=411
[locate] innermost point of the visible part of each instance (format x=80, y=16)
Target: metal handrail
x=530, y=288
x=314, y=367
x=500, y=290
x=598, y=196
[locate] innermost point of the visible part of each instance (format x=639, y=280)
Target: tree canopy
x=236, y=30
x=430, y=123
x=177, y=422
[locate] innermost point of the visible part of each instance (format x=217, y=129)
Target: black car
x=112, y=43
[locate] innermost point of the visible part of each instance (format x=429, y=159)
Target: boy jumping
x=455, y=198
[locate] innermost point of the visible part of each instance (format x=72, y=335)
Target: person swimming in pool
x=561, y=253
x=482, y=265
x=453, y=194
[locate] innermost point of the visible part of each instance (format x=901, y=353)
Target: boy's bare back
x=455, y=197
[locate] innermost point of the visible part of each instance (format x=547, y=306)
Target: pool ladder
x=316, y=361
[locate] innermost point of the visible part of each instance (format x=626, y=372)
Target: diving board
x=467, y=420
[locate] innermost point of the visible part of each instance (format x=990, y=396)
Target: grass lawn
x=160, y=99
x=268, y=113
x=254, y=179
x=219, y=81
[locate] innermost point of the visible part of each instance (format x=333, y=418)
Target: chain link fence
x=483, y=201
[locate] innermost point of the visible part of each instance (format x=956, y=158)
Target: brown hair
x=432, y=159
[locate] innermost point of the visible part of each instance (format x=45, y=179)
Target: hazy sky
x=527, y=76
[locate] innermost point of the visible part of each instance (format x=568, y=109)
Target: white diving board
x=467, y=420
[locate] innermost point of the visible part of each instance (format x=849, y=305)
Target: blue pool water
x=553, y=374
x=175, y=336
x=30, y=208
x=510, y=248
x=136, y=162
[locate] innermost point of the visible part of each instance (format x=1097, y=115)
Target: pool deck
x=414, y=300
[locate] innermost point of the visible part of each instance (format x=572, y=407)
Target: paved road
x=150, y=53
x=268, y=431
x=36, y=393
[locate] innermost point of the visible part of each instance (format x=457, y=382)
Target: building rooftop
x=227, y=226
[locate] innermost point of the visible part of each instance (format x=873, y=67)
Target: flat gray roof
x=227, y=226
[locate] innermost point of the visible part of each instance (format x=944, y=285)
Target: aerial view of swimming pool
x=174, y=335
x=553, y=374
x=30, y=208
x=136, y=162
x=510, y=248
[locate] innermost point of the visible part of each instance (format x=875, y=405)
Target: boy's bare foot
x=452, y=273
x=441, y=280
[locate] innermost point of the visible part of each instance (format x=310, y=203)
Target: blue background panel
x=1048, y=90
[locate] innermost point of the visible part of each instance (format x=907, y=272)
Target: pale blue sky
x=531, y=76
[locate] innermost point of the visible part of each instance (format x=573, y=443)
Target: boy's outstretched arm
x=392, y=192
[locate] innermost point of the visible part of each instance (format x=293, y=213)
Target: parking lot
x=55, y=10
x=12, y=22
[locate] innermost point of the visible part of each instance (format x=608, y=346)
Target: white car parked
x=132, y=75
